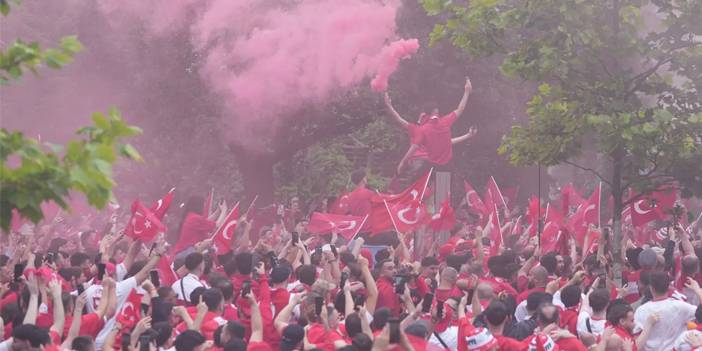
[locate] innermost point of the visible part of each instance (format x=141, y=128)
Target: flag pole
x=359, y=228
x=225, y=219
x=251, y=205
x=425, y=185
x=389, y=213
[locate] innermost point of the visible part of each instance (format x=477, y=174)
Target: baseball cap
x=480, y=339
x=292, y=335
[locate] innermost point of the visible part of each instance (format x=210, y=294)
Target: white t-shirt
x=122, y=291
x=121, y=271
x=681, y=343
x=673, y=318
x=449, y=336
x=597, y=326
x=190, y=283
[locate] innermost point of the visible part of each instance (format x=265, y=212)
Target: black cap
x=292, y=336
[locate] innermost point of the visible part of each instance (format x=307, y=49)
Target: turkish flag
x=160, y=207
x=496, y=194
x=324, y=223
x=495, y=231
x=340, y=206
x=475, y=204
x=533, y=213
x=552, y=215
x=652, y=207
x=144, y=225
x=445, y=219
x=130, y=313
x=591, y=214
x=207, y=206
x=195, y=228
x=224, y=235
x=570, y=197
x=165, y=272
x=403, y=212
x=550, y=238
x=642, y=212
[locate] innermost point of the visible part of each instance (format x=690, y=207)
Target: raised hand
x=469, y=86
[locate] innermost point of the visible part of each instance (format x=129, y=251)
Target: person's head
x=280, y=275
x=648, y=259
x=80, y=259
x=214, y=300
x=82, y=343
x=229, y=331
x=571, y=295
x=167, y=294
x=538, y=276
x=419, y=329
x=449, y=276
x=380, y=318
x=550, y=262
x=621, y=315
x=547, y=315
x=148, y=338
x=690, y=265
x=599, y=299
x=496, y=314
x=430, y=266
x=195, y=263
x=358, y=177
x=386, y=268
x=225, y=286
x=660, y=281
x=27, y=336
x=196, y=294
x=535, y=299
x=307, y=274
x=353, y=324
x=362, y=342
x=189, y=340
x=456, y=261
x=236, y=344
x=164, y=337
x=632, y=257
x=244, y=263
x=292, y=336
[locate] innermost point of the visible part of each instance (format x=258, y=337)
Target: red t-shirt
x=435, y=137
x=258, y=346
x=570, y=344
x=414, y=132
x=324, y=339
x=569, y=319
x=499, y=285
x=280, y=298
x=464, y=328
x=625, y=335
x=387, y=296
x=90, y=325
x=359, y=201
x=508, y=344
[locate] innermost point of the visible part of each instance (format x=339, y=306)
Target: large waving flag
x=225, y=233
x=160, y=207
x=195, y=228
x=403, y=212
x=130, y=313
x=445, y=218
x=533, y=215
x=591, y=211
x=346, y=226
x=652, y=207
x=495, y=232
x=496, y=194
x=144, y=224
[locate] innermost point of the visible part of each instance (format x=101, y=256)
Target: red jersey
x=508, y=344
x=435, y=138
x=387, y=296
x=90, y=325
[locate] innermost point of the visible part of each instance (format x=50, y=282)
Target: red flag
x=569, y=197
x=511, y=195
x=207, y=206
x=143, y=225
x=496, y=194
x=403, y=212
x=340, y=206
x=160, y=207
x=475, y=204
x=130, y=313
x=261, y=217
x=165, y=272
x=533, y=214
x=195, y=228
x=591, y=214
x=324, y=223
x=550, y=238
x=445, y=219
x=495, y=231
x=225, y=233
x=552, y=215
x=517, y=228
x=652, y=207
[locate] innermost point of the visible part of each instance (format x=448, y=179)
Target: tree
x=624, y=74
x=32, y=173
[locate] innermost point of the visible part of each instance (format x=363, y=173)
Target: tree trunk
x=257, y=174
x=617, y=193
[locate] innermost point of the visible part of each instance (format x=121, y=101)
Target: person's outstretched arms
x=471, y=133
x=464, y=100
x=412, y=149
x=396, y=118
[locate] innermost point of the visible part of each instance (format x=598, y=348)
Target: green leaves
x=21, y=56
x=42, y=174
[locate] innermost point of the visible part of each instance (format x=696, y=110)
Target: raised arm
x=371, y=287
x=471, y=133
x=75, y=323
x=412, y=149
x=256, y=319
x=59, y=313
x=396, y=118
x=464, y=100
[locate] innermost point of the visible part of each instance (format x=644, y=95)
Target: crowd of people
x=284, y=288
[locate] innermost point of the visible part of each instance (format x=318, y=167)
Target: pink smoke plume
x=390, y=60
x=269, y=59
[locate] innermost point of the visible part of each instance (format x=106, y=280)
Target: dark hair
x=306, y=274
x=537, y=298
x=571, y=295
x=161, y=311
x=496, y=312
x=632, y=257
x=456, y=261
x=235, y=344
x=212, y=298
x=135, y=268
x=164, y=331
x=244, y=262
x=545, y=319
x=78, y=258
x=353, y=325
x=81, y=343
x=69, y=273
x=599, y=299
x=362, y=342
x=549, y=262
x=380, y=318
x=660, y=281
x=188, y=340
x=617, y=312
x=193, y=260
x=195, y=295
x=429, y=261
x=225, y=287
x=34, y=335
x=357, y=176
x=164, y=291
x=230, y=267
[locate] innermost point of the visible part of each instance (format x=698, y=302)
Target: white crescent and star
x=637, y=208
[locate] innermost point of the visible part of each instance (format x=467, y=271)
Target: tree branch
x=602, y=178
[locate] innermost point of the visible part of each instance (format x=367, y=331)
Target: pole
x=539, y=224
